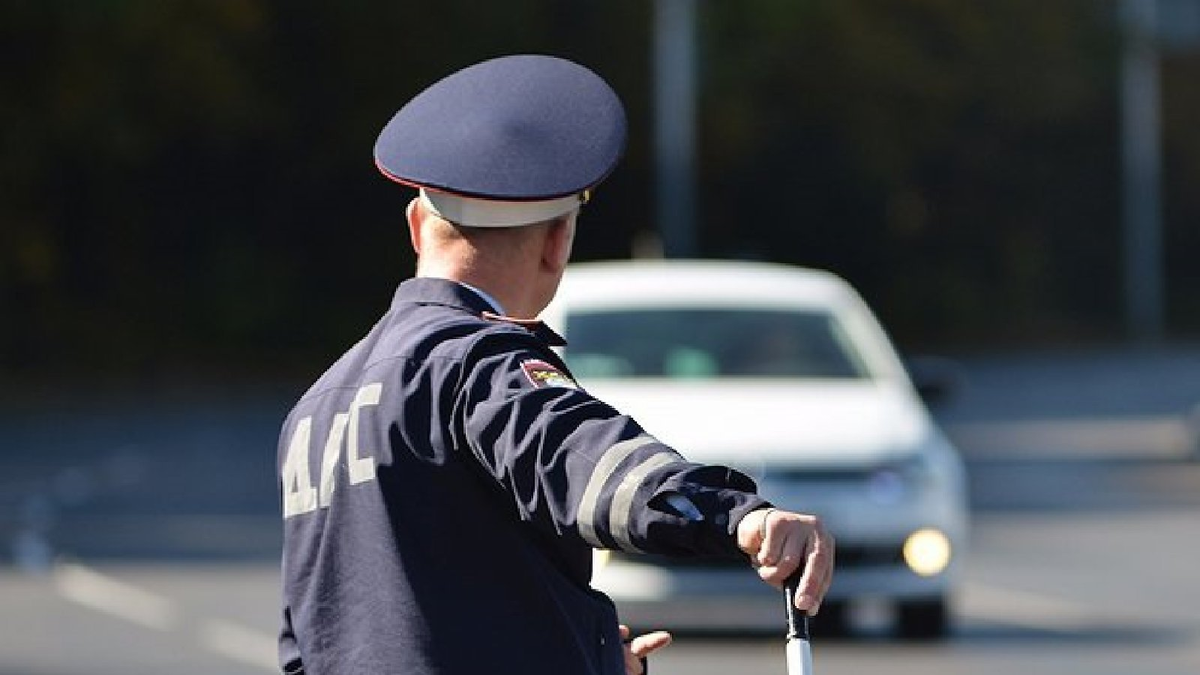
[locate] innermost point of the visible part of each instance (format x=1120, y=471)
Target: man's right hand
x=780, y=542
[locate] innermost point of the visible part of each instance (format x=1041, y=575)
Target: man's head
x=503, y=153
x=521, y=265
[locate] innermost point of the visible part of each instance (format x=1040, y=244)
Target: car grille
x=849, y=556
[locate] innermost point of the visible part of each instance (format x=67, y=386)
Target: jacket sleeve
x=572, y=464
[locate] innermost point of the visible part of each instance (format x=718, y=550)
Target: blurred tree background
x=186, y=186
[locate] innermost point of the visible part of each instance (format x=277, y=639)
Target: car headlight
x=927, y=552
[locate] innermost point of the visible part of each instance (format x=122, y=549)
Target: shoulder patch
x=542, y=374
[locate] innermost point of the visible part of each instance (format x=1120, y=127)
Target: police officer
x=445, y=481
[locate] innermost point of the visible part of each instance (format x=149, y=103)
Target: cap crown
x=523, y=127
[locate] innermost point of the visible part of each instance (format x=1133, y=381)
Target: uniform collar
x=431, y=290
x=491, y=300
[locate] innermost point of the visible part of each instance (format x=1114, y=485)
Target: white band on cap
x=487, y=213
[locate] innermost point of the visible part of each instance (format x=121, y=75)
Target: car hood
x=827, y=423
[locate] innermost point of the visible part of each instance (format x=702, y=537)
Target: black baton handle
x=797, y=619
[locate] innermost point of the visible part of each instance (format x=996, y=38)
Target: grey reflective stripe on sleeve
x=585, y=516
x=621, y=511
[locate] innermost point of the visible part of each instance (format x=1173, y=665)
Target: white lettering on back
x=299, y=494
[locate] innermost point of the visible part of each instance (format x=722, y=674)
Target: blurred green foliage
x=188, y=185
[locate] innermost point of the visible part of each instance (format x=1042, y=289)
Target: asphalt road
x=138, y=536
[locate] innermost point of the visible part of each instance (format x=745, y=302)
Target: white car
x=783, y=373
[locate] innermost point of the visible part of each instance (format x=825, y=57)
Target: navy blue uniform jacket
x=443, y=486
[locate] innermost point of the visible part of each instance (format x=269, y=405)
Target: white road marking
x=115, y=598
x=100, y=592
x=239, y=643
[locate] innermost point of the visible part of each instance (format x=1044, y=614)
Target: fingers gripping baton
x=799, y=654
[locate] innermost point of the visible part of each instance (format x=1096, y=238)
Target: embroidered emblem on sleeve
x=542, y=374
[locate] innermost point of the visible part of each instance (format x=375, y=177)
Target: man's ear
x=415, y=213
x=559, y=240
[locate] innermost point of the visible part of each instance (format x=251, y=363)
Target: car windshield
x=700, y=343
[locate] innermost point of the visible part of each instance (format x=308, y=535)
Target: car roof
x=679, y=282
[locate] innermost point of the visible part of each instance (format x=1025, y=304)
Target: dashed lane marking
x=239, y=643
x=116, y=598
x=100, y=592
